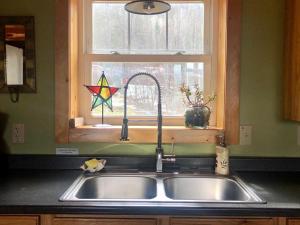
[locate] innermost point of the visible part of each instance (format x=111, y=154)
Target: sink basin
x=117, y=188
x=208, y=189
x=160, y=188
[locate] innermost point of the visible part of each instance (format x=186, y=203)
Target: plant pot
x=197, y=116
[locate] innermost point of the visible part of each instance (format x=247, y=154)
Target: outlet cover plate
x=245, y=135
x=18, y=132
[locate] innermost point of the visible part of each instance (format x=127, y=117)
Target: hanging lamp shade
x=147, y=7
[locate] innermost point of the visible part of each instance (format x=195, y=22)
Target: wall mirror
x=17, y=55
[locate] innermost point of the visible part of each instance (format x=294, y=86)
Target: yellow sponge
x=92, y=163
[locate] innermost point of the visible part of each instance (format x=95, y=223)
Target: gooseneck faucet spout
x=124, y=132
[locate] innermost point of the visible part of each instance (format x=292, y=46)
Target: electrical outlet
x=245, y=135
x=298, y=136
x=18, y=133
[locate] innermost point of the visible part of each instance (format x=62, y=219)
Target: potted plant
x=198, y=113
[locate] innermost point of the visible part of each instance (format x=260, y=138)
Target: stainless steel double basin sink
x=156, y=187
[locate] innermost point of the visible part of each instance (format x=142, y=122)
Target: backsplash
x=261, y=97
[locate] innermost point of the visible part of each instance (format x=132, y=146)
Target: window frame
x=86, y=57
x=66, y=82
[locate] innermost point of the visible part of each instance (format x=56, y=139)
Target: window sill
x=143, y=134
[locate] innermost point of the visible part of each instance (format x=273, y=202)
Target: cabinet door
x=194, y=221
x=19, y=220
x=293, y=222
x=100, y=221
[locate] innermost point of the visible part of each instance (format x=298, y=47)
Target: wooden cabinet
x=103, y=221
x=19, y=220
x=293, y=222
x=292, y=61
x=227, y=221
x=140, y=220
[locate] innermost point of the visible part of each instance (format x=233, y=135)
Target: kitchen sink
x=207, y=189
x=112, y=187
x=160, y=187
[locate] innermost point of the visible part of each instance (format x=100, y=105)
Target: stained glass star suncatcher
x=102, y=93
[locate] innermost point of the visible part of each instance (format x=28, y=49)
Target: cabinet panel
x=19, y=220
x=100, y=221
x=229, y=221
x=293, y=222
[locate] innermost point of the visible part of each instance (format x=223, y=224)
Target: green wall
x=261, y=77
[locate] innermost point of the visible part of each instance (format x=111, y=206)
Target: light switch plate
x=18, y=132
x=245, y=135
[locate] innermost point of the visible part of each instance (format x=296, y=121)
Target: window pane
x=110, y=25
x=148, y=33
x=142, y=92
x=181, y=30
x=186, y=28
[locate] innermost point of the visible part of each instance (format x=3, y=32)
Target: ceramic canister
x=222, y=160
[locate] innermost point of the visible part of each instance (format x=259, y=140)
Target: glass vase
x=197, y=116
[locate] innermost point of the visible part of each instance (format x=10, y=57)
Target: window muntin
x=193, y=53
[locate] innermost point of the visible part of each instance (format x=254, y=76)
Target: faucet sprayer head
x=124, y=131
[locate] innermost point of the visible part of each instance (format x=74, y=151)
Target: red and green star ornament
x=102, y=93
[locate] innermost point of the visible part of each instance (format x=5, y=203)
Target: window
x=175, y=47
x=73, y=57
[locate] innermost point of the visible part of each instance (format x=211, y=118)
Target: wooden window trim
x=291, y=84
x=66, y=67
x=143, y=134
x=233, y=68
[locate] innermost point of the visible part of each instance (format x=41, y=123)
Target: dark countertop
x=38, y=191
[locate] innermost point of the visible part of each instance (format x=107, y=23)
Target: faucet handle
x=172, y=153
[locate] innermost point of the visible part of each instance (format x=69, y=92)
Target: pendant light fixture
x=147, y=7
